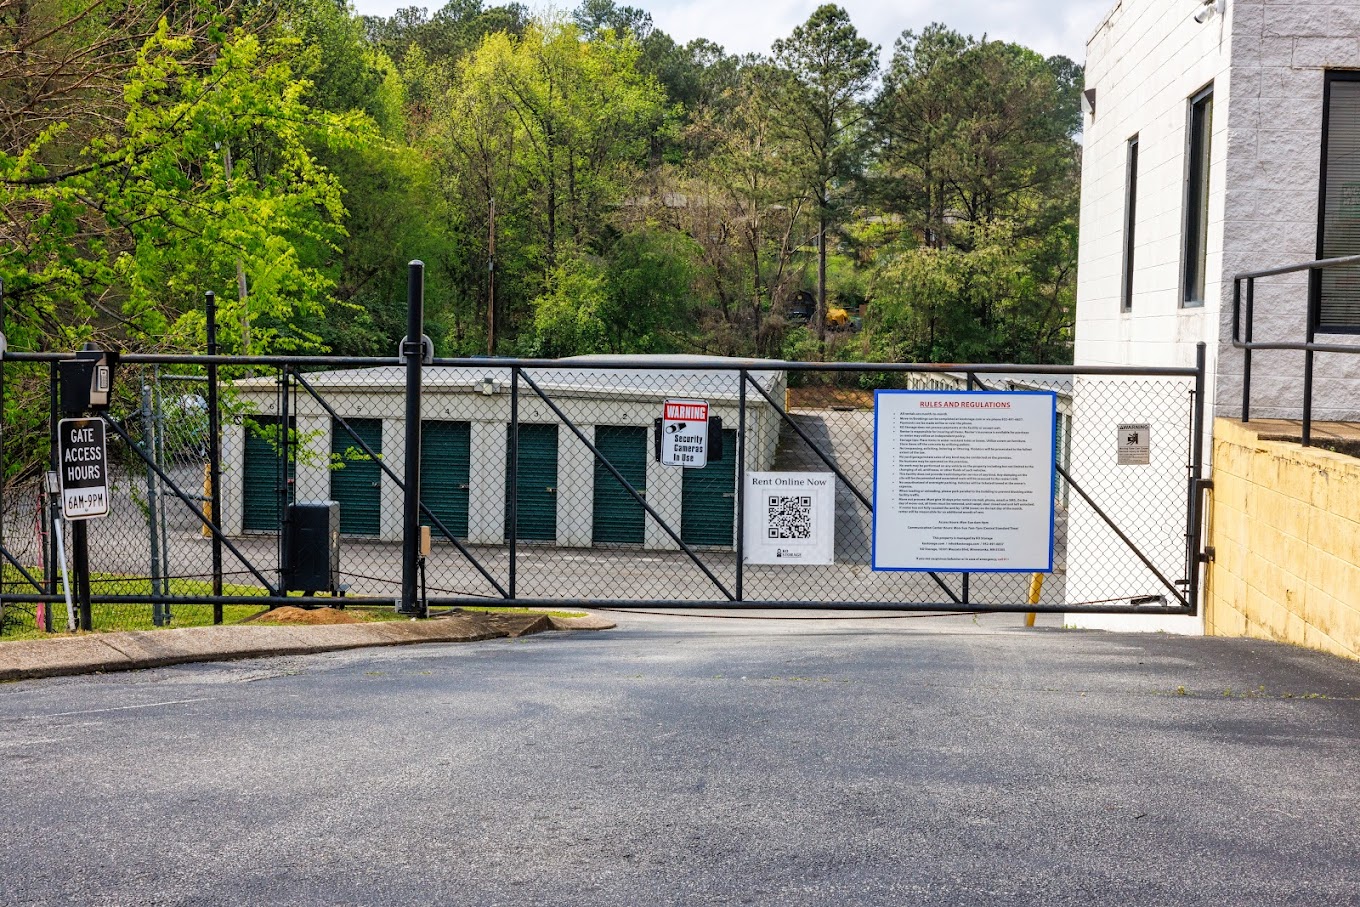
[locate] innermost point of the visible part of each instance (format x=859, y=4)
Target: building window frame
x=1130, y=223
x=1315, y=283
x=1195, y=229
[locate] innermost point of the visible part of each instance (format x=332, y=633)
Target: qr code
x=789, y=517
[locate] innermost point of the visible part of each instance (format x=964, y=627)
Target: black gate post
x=967, y=577
x=414, y=350
x=512, y=480
x=53, y=497
x=80, y=562
x=741, y=480
x=1196, y=483
x=214, y=456
x=281, y=477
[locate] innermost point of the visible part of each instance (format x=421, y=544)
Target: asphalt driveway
x=683, y=760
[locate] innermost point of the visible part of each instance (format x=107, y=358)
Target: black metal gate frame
x=1182, y=601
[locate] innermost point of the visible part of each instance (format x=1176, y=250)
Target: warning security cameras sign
x=684, y=433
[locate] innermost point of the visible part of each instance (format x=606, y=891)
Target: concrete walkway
x=133, y=650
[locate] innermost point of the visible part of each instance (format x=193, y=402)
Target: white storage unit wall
x=480, y=396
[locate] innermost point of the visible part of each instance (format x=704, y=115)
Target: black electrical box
x=87, y=381
x=311, y=547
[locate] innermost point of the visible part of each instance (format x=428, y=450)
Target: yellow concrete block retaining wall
x=1284, y=521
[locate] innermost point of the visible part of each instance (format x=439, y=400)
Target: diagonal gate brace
x=618, y=477
x=188, y=502
x=368, y=451
x=830, y=464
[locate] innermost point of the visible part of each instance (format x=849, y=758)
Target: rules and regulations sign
x=1135, y=444
x=790, y=518
x=84, y=468
x=684, y=433
x=963, y=481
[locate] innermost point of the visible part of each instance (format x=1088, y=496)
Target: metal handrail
x=1308, y=347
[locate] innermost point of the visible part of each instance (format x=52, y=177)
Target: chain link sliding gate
x=541, y=485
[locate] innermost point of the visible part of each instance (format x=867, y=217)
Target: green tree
x=828, y=68
x=977, y=172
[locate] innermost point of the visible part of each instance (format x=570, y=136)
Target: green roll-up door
x=536, y=501
x=445, y=465
x=260, y=510
x=356, y=478
x=617, y=516
x=709, y=498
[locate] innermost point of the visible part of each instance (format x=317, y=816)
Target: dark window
x=1336, y=292
x=1197, y=198
x=1130, y=220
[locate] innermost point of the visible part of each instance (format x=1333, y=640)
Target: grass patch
x=112, y=618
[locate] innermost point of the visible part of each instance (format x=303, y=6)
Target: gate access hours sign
x=963, y=481
x=84, y=468
x=684, y=433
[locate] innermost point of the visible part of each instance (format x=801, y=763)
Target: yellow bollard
x=1036, y=585
x=207, y=499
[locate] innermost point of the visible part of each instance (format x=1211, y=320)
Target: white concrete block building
x=1220, y=137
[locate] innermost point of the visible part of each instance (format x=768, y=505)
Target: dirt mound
x=289, y=614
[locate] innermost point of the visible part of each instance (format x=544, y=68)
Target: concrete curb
x=137, y=649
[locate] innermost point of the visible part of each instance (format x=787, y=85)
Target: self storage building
x=564, y=495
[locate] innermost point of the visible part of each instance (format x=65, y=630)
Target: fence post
x=1196, y=476
x=53, y=498
x=741, y=480
x=149, y=443
x=414, y=350
x=512, y=467
x=283, y=437
x=158, y=453
x=214, y=456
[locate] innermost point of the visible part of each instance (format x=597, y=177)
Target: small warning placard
x=84, y=468
x=684, y=433
x=1135, y=444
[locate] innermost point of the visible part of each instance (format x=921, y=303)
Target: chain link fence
x=541, y=483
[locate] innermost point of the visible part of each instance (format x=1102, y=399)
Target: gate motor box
x=87, y=381
x=311, y=546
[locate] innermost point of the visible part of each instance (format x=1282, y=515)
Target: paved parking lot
x=686, y=760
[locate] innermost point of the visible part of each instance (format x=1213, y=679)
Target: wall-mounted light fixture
x=1209, y=8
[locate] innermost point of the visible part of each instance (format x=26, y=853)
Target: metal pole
x=512, y=467
x=148, y=442
x=1196, y=478
x=66, y=585
x=741, y=480
x=414, y=350
x=80, y=559
x=214, y=454
x=968, y=577
x=1246, y=354
x=53, y=500
x=281, y=474
x=1315, y=281
x=158, y=420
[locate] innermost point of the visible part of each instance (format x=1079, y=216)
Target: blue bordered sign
x=84, y=471
x=964, y=481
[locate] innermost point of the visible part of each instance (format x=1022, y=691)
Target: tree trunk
x=821, y=272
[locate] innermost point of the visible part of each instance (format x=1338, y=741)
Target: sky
x=1048, y=26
